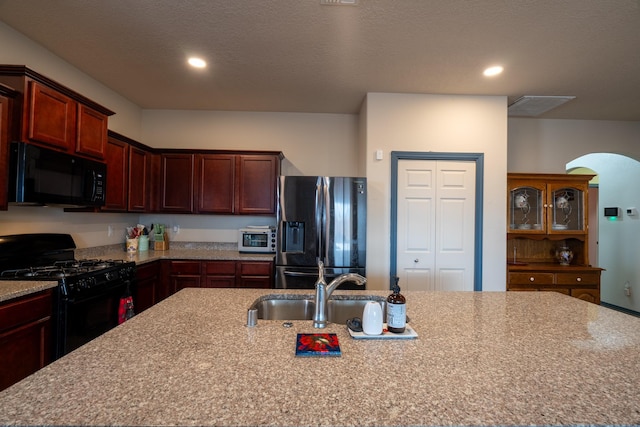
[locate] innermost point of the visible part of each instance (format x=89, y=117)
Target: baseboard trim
x=622, y=309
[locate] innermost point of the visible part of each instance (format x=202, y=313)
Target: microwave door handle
x=93, y=185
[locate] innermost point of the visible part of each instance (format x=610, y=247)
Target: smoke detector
x=531, y=105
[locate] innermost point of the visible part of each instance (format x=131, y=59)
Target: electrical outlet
x=176, y=229
x=109, y=230
x=627, y=289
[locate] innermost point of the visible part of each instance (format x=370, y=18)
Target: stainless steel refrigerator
x=324, y=218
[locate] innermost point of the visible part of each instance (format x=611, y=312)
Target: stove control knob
x=110, y=275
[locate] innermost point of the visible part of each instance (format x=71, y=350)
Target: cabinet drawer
x=578, y=278
x=255, y=268
x=185, y=267
x=531, y=278
x=26, y=309
x=220, y=267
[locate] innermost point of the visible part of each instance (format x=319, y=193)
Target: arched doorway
x=618, y=236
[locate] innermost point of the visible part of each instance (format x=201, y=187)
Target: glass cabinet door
x=566, y=209
x=526, y=209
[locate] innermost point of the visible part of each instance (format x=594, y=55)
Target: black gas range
x=92, y=295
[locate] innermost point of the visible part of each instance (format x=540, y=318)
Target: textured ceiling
x=301, y=56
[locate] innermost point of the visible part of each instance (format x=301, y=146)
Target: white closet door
x=436, y=208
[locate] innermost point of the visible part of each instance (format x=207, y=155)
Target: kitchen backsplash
x=100, y=251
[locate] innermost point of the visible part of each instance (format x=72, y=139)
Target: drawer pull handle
x=532, y=279
x=578, y=279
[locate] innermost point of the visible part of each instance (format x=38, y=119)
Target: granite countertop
x=10, y=289
x=481, y=358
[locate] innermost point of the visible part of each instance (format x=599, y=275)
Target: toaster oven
x=257, y=240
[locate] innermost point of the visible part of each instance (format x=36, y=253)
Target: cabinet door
x=91, y=132
x=526, y=211
x=255, y=274
x=147, y=284
x=216, y=183
x=184, y=274
x=138, y=184
x=590, y=295
x=257, y=178
x=566, y=212
x=219, y=274
x=4, y=150
x=25, y=336
x=185, y=281
x=117, y=158
x=176, y=182
x=52, y=117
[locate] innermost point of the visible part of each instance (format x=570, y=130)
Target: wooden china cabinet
x=548, y=235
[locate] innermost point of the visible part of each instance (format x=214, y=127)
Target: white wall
x=16, y=49
x=439, y=123
x=619, y=252
x=313, y=144
x=546, y=146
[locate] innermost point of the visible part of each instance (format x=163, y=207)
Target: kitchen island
x=490, y=358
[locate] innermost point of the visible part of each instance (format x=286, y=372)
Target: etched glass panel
x=525, y=206
x=567, y=209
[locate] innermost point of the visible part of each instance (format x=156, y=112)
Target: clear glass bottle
x=396, y=309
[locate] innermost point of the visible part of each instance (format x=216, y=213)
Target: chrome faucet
x=324, y=291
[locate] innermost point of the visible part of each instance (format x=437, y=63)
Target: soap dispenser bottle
x=396, y=309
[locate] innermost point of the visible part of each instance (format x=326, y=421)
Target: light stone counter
x=490, y=358
x=10, y=289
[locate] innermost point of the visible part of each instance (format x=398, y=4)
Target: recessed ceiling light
x=493, y=71
x=197, y=62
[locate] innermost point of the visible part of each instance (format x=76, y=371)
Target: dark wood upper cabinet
x=216, y=183
x=257, y=181
x=50, y=114
x=117, y=158
x=139, y=180
x=6, y=99
x=91, y=131
x=128, y=175
x=51, y=117
x=242, y=184
x=176, y=182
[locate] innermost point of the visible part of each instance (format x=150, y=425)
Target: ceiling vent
x=531, y=106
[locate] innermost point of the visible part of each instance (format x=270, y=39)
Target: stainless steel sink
x=340, y=308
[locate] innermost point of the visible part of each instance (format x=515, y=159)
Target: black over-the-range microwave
x=40, y=176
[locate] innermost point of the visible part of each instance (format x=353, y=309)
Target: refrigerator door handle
x=318, y=214
x=299, y=274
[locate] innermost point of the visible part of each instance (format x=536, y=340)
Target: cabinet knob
x=416, y=260
x=578, y=279
x=532, y=279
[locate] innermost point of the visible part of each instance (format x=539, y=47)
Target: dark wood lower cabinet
x=219, y=274
x=255, y=274
x=578, y=282
x=25, y=336
x=179, y=274
x=159, y=279
x=147, y=292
